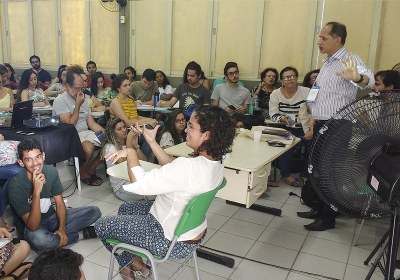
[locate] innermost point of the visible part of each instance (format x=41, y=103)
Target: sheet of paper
x=4, y=241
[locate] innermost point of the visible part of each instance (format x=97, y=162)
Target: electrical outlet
x=122, y=19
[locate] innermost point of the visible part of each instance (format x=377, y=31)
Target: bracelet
x=361, y=79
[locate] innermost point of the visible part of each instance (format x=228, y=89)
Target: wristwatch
x=361, y=79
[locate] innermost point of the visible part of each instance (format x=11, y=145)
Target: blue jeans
x=44, y=238
x=284, y=160
x=6, y=173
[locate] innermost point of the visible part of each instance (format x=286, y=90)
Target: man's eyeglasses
x=232, y=74
x=180, y=121
x=288, y=78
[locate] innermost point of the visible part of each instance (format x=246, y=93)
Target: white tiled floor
x=265, y=246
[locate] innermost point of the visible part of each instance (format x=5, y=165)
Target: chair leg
x=112, y=262
x=358, y=233
x=196, y=265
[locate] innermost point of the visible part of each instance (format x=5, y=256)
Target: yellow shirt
x=129, y=108
x=5, y=102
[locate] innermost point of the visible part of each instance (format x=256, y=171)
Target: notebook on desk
x=21, y=111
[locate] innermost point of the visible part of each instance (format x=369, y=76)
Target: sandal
x=93, y=181
x=140, y=268
x=21, y=272
x=272, y=184
x=295, y=183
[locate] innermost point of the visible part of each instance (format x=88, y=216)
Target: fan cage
x=344, y=148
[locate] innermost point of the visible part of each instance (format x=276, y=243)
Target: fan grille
x=344, y=148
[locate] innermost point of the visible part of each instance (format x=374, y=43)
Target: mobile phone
x=276, y=144
x=232, y=107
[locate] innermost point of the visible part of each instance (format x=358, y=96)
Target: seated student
x=164, y=87
x=59, y=263
x=43, y=76
x=72, y=107
x=269, y=79
x=287, y=105
x=11, y=258
x=10, y=82
x=98, y=92
x=30, y=193
x=143, y=91
x=210, y=133
x=118, y=138
x=190, y=93
x=203, y=79
x=386, y=80
x=58, y=87
x=6, y=94
x=91, y=67
x=123, y=107
x=231, y=96
x=130, y=72
x=309, y=78
x=174, y=132
x=8, y=169
x=29, y=89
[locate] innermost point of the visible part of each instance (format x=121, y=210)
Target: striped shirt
x=280, y=106
x=336, y=92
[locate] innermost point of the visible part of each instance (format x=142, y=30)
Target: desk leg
x=260, y=208
x=77, y=177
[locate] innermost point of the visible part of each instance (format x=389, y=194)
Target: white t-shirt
x=167, y=90
x=175, y=184
x=64, y=103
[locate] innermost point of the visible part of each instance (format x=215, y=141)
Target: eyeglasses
x=290, y=77
x=232, y=74
x=180, y=121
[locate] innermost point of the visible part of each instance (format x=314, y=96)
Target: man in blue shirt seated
x=43, y=76
x=30, y=193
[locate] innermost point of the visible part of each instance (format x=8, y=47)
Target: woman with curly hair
x=118, y=137
x=174, y=132
x=210, y=133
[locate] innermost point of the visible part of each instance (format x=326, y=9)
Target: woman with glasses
x=29, y=89
x=287, y=105
x=174, y=132
x=118, y=137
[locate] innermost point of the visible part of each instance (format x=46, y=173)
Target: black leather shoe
x=312, y=214
x=319, y=225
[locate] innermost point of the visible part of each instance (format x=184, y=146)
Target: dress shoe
x=312, y=214
x=319, y=225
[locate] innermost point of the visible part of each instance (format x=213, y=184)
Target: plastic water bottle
x=156, y=98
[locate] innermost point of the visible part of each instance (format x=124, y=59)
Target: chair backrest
x=195, y=211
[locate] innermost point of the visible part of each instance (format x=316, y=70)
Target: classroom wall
x=166, y=34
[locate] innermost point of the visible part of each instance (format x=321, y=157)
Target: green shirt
x=20, y=191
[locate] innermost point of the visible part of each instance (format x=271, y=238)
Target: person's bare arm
x=33, y=218
x=74, y=117
x=170, y=103
x=93, y=126
x=215, y=102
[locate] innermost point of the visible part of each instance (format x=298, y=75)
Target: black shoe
x=89, y=232
x=319, y=225
x=312, y=214
x=397, y=264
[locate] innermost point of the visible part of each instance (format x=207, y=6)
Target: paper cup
x=257, y=136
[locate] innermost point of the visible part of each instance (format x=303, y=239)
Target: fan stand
x=389, y=242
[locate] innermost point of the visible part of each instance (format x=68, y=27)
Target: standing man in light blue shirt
x=341, y=75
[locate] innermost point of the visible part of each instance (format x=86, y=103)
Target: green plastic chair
x=194, y=215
